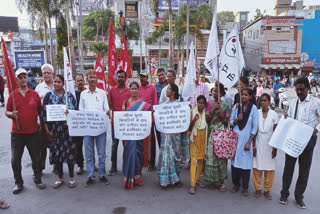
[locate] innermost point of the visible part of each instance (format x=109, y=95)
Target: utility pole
x=81, y=37
x=171, y=53
x=187, y=40
x=78, y=31
x=140, y=29
x=70, y=42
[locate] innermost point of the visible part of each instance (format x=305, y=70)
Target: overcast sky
x=8, y=7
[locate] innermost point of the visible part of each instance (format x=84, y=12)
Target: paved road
x=147, y=199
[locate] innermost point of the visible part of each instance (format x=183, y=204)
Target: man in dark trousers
x=23, y=107
x=305, y=109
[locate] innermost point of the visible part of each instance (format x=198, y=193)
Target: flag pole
x=239, y=71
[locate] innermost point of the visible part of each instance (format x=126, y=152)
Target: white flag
x=231, y=59
x=68, y=73
x=211, y=60
x=189, y=82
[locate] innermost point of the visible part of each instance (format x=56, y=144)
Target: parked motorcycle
x=283, y=99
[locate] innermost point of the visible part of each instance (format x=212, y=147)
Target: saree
x=133, y=153
x=216, y=169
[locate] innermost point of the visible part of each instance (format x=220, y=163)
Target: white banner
x=231, y=60
x=68, y=74
x=81, y=123
x=189, y=87
x=213, y=50
x=56, y=113
x=291, y=136
x=132, y=125
x=172, y=118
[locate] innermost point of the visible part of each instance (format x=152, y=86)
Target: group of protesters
x=192, y=149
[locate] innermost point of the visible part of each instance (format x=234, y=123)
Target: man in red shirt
x=118, y=95
x=148, y=93
x=23, y=107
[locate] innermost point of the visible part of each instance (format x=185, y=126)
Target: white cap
x=144, y=73
x=21, y=71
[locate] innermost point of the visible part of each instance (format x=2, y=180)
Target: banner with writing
x=172, y=118
x=291, y=136
x=132, y=125
x=81, y=123
x=56, y=113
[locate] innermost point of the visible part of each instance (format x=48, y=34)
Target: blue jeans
x=89, y=154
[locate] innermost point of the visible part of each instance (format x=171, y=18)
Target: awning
x=280, y=66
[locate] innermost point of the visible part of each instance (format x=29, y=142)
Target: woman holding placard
x=244, y=119
x=62, y=149
x=170, y=150
x=264, y=155
x=218, y=117
x=133, y=149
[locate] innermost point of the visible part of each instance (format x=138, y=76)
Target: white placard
x=291, y=136
x=82, y=123
x=132, y=125
x=56, y=113
x=172, y=118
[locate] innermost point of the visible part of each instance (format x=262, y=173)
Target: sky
x=8, y=8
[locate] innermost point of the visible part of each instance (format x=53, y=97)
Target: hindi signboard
x=56, y=113
x=132, y=125
x=82, y=123
x=291, y=136
x=172, y=118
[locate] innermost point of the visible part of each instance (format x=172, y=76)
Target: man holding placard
x=24, y=107
x=305, y=109
x=118, y=95
x=94, y=100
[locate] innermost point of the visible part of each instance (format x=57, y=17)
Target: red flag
x=8, y=70
x=112, y=56
x=124, y=63
x=101, y=80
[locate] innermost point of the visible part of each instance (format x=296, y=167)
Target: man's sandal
x=57, y=184
x=72, y=184
x=235, y=189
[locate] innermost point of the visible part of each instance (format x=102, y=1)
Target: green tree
x=133, y=30
x=258, y=14
x=62, y=39
x=96, y=24
x=224, y=17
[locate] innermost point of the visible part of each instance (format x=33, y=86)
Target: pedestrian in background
x=259, y=92
x=62, y=148
x=264, y=161
x=1, y=90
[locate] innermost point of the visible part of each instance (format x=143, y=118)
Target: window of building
x=131, y=9
x=254, y=35
x=257, y=34
x=250, y=34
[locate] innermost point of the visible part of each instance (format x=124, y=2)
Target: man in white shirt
x=305, y=109
x=171, y=77
x=94, y=99
x=42, y=89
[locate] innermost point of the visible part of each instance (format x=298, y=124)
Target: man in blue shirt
x=159, y=86
x=276, y=87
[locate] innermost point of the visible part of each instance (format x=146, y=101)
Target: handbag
x=225, y=143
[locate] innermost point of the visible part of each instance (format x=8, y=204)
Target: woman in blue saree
x=133, y=149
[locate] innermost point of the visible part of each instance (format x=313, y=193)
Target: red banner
x=8, y=70
x=101, y=80
x=124, y=63
x=112, y=56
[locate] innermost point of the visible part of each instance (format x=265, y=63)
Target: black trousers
x=114, y=150
x=18, y=142
x=1, y=96
x=153, y=144
x=44, y=143
x=240, y=175
x=79, y=144
x=305, y=160
x=59, y=167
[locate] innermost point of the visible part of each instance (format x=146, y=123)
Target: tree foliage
x=96, y=24
x=258, y=14
x=62, y=39
x=100, y=47
x=224, y=17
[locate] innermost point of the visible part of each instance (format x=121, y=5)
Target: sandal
x=222, y=188
x=192, y=190
x=80, y=171
x=4, y=205
x=200, y=184
x=57, y=184
x=72, y=183
x=235, y=189
x=267, y=195
x=258, y=193
x=245, y=193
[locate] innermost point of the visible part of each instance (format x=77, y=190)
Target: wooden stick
x=66, y=93
x=13, y=101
